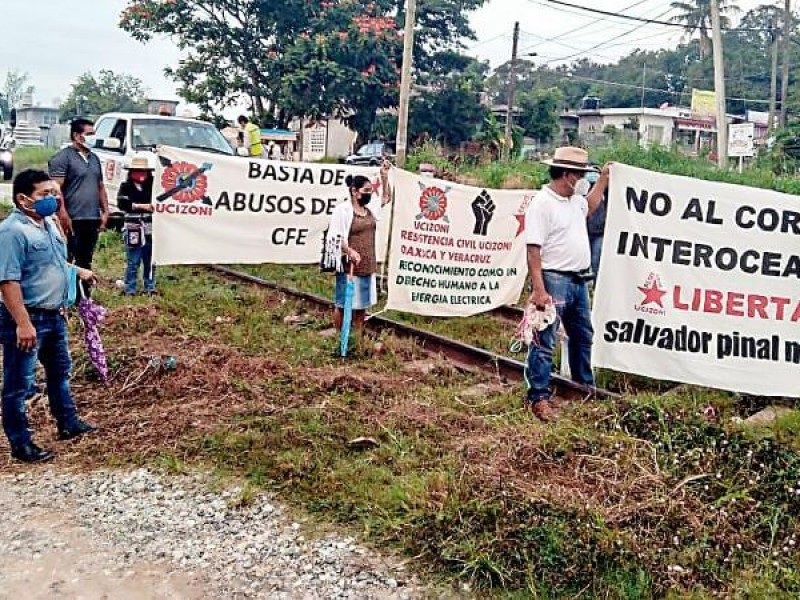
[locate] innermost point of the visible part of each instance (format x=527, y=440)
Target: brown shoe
x=543, y=410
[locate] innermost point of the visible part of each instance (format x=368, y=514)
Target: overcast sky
x=57, y=40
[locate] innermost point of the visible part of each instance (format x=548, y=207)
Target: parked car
x=119, y=135
x=372, y=154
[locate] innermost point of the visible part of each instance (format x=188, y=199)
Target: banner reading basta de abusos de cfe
x=456, y=250
x=700, y=283
x=213, y=209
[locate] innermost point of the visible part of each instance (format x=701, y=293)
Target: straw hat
x=140, y=162
x=572, y=158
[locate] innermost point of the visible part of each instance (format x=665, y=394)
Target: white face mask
x=582, y=187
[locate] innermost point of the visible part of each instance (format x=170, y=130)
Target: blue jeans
x=140, y=255
x=52, y=350
x=596, y=245
x=571, y=299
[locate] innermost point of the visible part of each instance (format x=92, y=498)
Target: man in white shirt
x=559, y=266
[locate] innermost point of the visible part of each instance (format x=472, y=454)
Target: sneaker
x=31, y=453
x=80, y=428
x=543, y=410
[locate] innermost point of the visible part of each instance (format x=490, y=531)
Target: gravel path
x=136, y=534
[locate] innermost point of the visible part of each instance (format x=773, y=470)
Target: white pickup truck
x=119, y=135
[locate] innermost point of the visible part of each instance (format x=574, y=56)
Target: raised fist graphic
x=483, y=208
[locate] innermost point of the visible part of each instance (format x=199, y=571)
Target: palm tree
x=696, y=16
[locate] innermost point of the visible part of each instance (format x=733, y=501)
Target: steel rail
x=461, y=354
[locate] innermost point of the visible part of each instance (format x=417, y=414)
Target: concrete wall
x=333, y=140
x=340, y=139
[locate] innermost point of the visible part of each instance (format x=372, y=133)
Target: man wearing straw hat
x=559, y=266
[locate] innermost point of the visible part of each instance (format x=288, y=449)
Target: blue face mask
x=45, y=207
x=592, y=177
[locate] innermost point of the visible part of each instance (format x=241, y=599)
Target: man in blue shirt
x=34, y=280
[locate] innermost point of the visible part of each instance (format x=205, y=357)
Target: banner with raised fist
x=456, y=250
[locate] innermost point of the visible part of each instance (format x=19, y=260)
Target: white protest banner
x=213, y=209
x=456, y=250
x=699, y=283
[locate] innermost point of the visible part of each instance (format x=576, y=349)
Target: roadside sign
x=740, y=139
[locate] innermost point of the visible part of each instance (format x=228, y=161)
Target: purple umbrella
x=91, y=313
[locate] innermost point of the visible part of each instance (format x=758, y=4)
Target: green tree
x=447, y=104
x=229, y=47
x=14, y=87
x=107, y=92
x=344, y=64
x=540, y=111
x=695, y=15
x=451, y=115
x=295, y=58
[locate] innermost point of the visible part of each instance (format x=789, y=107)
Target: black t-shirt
x=129, y=194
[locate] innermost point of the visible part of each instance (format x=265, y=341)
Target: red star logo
x=652, y=294
x=520, y=224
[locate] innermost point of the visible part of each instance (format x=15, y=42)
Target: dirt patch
x=148, y=409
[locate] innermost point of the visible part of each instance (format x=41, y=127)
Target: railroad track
x=459, y=353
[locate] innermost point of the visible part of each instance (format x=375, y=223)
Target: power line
x=577, y=13
x=489, y=41
x=617, y=58
x=650, y=89
x=601, y=44
x=644, y=20
x=579, y=28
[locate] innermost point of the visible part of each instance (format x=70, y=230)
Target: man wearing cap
x=136, y=199
x=559, y=266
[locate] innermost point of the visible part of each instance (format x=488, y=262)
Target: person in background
x=274, y=151
x=250, y=137
x=34, y=282
x=559, y=267
x=135, y=198
x=596, y=225
x=84, y=212
x=352, y=240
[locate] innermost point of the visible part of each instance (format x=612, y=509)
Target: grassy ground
x=32, y=158
x=649, y=496
x=483, y=332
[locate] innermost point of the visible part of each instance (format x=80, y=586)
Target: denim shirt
x=36, y=257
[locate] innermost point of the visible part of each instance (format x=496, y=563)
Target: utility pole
x=719, y=87
x=405, y=83
x=644, y=80
x=512, y=88
x=773, y=82
x=787, y=30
